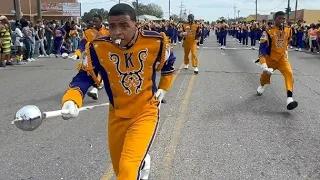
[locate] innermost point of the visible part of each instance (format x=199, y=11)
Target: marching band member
x=190, y=38
x=299, y=37
x=223, y=33
x=127, y=61
x=272, y=54
x=98, y=30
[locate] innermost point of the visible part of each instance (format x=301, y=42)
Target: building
x=309, y=16
x=260, y=18
x=51, y=9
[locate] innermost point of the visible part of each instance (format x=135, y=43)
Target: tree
x=175, y=17
x=222, y=18
x=87, y=16
x=148, y=9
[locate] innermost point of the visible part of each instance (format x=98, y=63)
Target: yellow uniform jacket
x=89, y=35
x=129, y=73
x=193, y=32
x=274, y=44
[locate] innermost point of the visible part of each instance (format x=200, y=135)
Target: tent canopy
x=148, y=18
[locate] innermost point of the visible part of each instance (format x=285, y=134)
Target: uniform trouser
x=223, y=37
x=253, y=38
x=130, y=140
x=58, y=45
x=284, y=67
x=190, y=46
x=299, y=41
x=245, y=38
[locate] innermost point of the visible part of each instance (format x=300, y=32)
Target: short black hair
x=279, y=13
x=123, y=9
x=97, y=16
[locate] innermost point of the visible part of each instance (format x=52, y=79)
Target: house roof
x=148, y=17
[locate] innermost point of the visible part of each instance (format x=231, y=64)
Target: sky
x=210, y=10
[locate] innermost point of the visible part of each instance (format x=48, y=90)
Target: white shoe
x=291, y=104
x=93, y=93
x=186, y=66
x=260, y=90
x=196, y=70
x=32, y=59
x=145, y=170
x=101, y=85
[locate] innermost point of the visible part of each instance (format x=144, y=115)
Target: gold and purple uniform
x=273, y=51
x=190, y=42
x=129, y=75
x=88, y=36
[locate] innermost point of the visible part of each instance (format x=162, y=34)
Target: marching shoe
x=93, y=93
x=145, y=170
x=291, y=104
x=196, y=70
x=101, y=85
x=260, y=90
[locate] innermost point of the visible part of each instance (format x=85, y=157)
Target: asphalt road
x=212, y=127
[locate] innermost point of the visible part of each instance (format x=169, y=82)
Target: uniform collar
x=133, y=40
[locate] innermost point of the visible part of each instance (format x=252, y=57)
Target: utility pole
x=39, y=14
x=288, y=14
x=181, y=7
x=17, y=8
x=235, y=11
x=256, y=10
x=169, y=10
x=137, y=8
x=238, y=14
x=295, y=12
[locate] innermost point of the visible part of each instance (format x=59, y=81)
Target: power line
x=276, y=7
x=181, y=9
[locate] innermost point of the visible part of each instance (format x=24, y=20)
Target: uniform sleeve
x=83, y=80
x=167, y=71
x=82, y=44
x=198, y=33
x=264, y=47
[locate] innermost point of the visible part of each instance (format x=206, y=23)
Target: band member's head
x=190, y=18
x=279, y=19
x=122, y=23
x=97, y=21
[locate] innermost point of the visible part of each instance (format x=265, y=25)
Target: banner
x=52, y=7
x=65, y=9
x=71, y=9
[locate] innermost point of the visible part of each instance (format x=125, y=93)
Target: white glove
x=160, y=94
x=184, y=33
x=72, y=108
x=265, y=68
x=74, y=57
